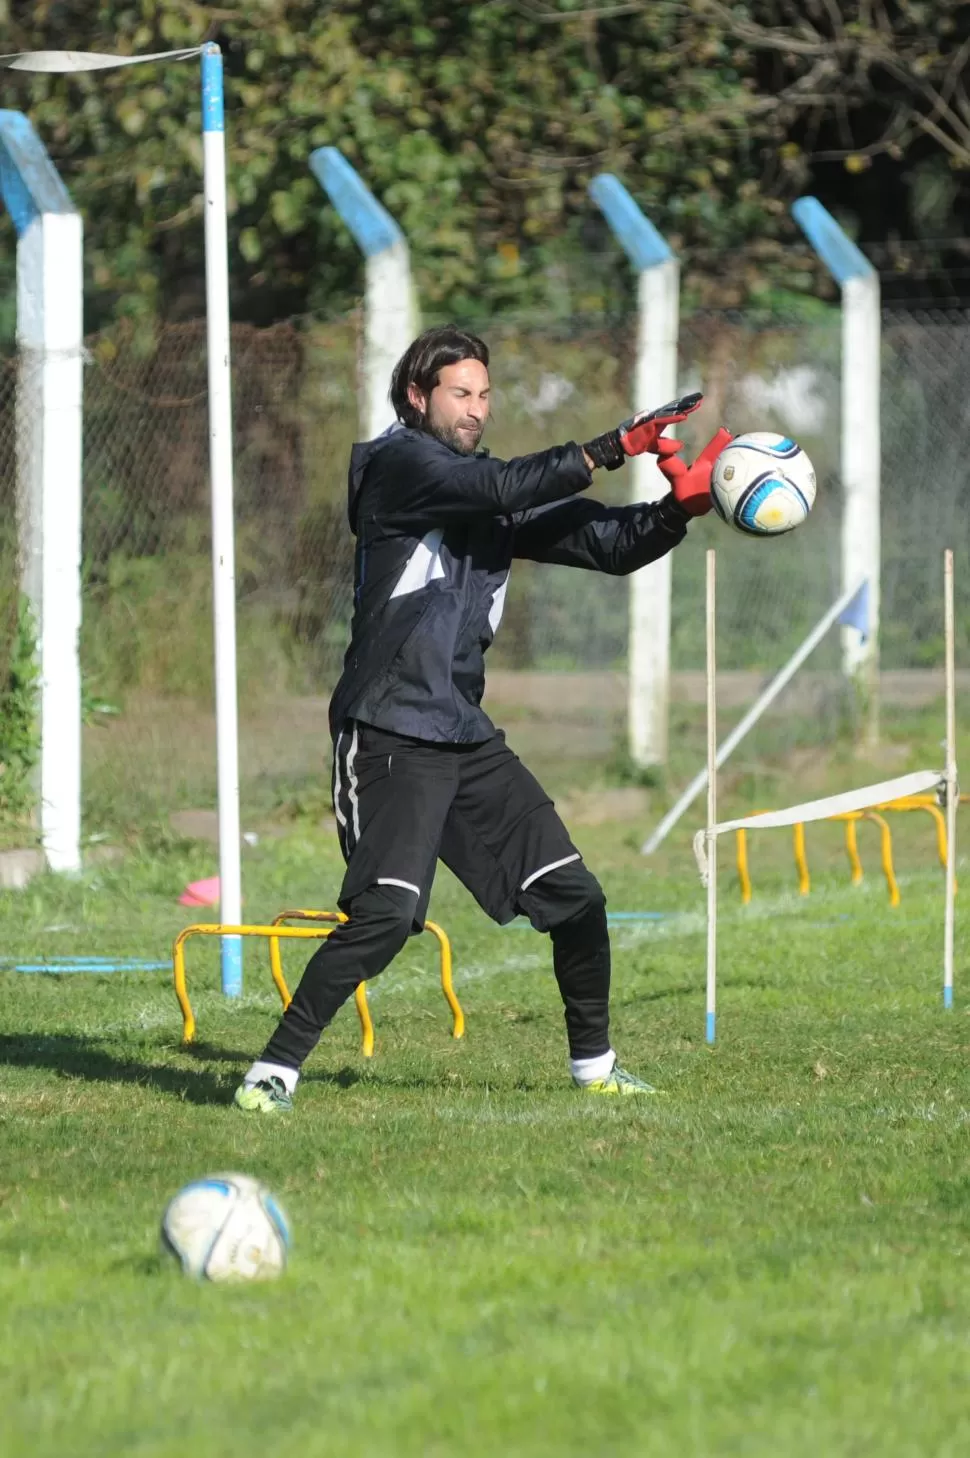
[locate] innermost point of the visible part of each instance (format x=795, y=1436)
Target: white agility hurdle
x=917, y=783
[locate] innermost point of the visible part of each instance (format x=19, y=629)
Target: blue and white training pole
x=390, y=309
x=711, y=598
x=220, y=447
x=223, y=545
x=49, y=389
x=860, y=452
x=658, y=296
x=952, y=783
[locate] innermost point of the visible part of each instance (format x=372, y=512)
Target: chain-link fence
x=9, y=535
x=557, y=669
x=147, y=649
x=18, y=673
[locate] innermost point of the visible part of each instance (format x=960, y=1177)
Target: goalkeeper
x=420, y=773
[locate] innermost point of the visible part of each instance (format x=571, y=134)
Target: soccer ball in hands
x=763, y=484
x=226, y=1227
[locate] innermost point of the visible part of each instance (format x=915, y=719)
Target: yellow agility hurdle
x=850, y=820
x=360, y=997
x=741, y=856
x=928, y=804
x=217, y=929
x=277, y=931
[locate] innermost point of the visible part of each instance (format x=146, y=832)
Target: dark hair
x=421, y=362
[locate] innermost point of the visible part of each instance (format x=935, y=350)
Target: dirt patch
x=597, y=807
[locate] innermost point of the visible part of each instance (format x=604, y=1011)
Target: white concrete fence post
x=49, y=388
x=860, y=452
x=390, y=314
x=658, y=298
x=27, y=188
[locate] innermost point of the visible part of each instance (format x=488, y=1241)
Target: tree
x=887, y=74
x=867, y=104
x=480, y=125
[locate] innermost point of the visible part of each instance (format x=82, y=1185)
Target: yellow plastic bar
x=928, y=804
x=852, y=850
x=801, y=863
x=447, y=986
x=744, y=878
x=366, y=1022
x=275, y=962
x=850, y=818
x=217, y=929
x=886, y=846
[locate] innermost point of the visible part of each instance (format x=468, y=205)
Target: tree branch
x=593, y=12
x=761, y=36
x=853, y=61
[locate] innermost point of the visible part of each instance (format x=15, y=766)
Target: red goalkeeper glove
x=691, y=485
x=640, y=433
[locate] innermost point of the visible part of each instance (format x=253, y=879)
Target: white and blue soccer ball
x=226, y=1227
x=763, y=484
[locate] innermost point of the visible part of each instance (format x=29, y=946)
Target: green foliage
x=479, y=126
x=19, y=721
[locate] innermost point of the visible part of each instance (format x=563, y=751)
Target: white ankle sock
x=588, y=1070
x=260, y=1072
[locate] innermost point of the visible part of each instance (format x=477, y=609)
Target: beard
x=464, y=442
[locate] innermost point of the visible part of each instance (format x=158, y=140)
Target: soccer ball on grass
x=763, y=484
x=226, y=1227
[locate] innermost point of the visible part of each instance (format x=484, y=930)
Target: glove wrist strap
x=606, y=451
x=672, y=513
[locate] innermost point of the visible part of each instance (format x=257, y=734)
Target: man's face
x=457, y=408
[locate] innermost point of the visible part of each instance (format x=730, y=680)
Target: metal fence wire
x=16, y=638
x=560, y=656
x=10, y=563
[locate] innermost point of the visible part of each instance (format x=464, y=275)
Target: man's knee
x=571, y=894
x=381, y=913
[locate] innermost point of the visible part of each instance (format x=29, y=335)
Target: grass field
x=770, y=1261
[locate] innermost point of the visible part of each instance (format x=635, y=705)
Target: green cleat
x=267, y=1097
x=618, y=1081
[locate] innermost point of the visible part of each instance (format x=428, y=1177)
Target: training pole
x=952, y=788
x=223, y=555
x=220, y=446
x=711, y=803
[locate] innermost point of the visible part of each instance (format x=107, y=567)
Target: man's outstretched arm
x=417, y=476
x=613, y=539
x=620, y=539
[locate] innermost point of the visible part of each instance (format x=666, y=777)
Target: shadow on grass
x=204, y=1052
x=691, y=989
x=344, y=1077
x=75, y=1056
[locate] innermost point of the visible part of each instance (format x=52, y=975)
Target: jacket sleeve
x=613, y=539
x=419, y=479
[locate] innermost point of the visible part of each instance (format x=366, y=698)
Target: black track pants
x=403, y=804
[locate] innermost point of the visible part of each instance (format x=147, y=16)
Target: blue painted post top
x=371, y=224
x=639, y=239
x=213, y=100
x=29, y=181
x=832, y=244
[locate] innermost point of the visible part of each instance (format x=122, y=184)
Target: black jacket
x=436, y=534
